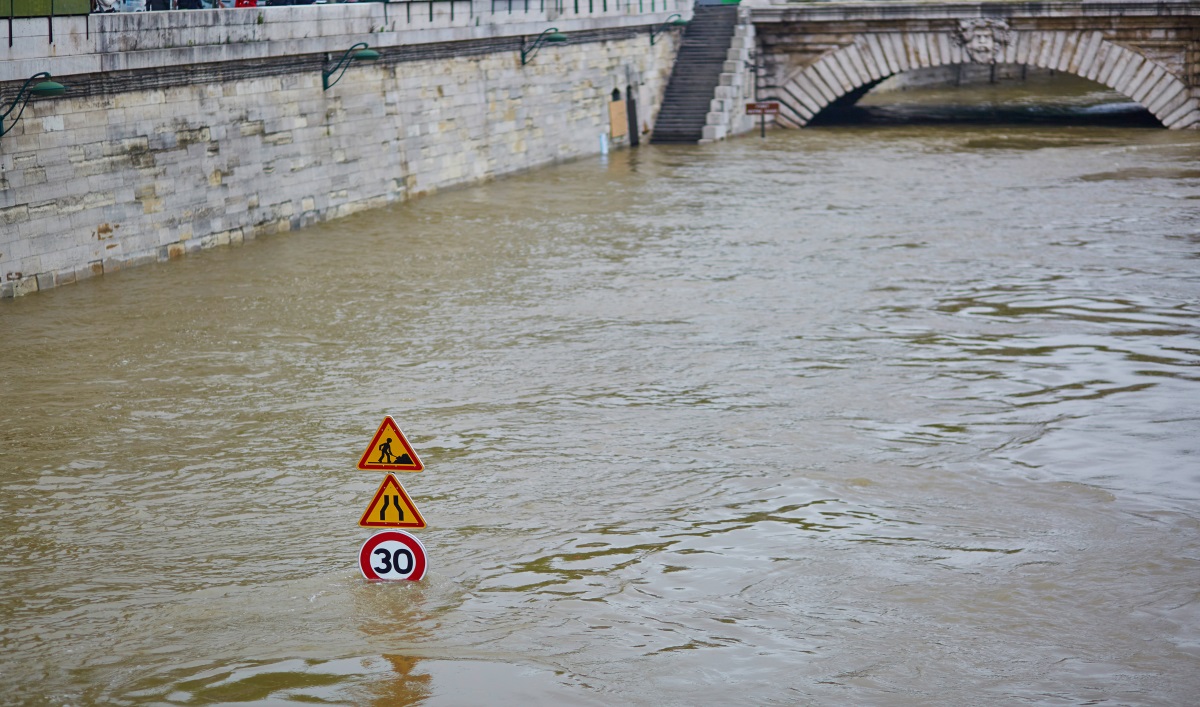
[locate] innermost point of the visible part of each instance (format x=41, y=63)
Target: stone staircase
x=698, y=68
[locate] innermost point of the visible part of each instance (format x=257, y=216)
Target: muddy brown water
x=903, y=412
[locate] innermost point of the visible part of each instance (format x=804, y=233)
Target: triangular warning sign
x=389, y=451
x=392, y=508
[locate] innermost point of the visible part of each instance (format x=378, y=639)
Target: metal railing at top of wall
x=416, y=14
x=584, y=7
x=411, y=9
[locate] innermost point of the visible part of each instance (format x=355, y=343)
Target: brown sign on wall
x=618, y=120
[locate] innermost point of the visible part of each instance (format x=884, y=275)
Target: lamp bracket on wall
x=361, y=51
x=530, y=49
x=675, y=20
x=43, y=88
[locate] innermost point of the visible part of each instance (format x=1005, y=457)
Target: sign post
x=762, y=122
x=391, y=555
x=763, y=108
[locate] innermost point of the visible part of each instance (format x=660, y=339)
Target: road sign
x=392, y=508
x=387, y=457
x=762, y=108
x=392, y=555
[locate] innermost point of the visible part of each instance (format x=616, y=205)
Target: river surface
x=873, y=414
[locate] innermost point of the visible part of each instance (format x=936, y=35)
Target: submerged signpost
x=391, y=554
x=763, y=108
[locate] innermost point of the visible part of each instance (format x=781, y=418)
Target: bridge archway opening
x=842, y=75
x=1009, y=94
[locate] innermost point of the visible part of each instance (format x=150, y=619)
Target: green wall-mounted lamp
x=42, y=88
x=528, y=51
x=361, y=51
x=675, y=20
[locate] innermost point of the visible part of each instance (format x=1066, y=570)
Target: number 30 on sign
x=392, y=555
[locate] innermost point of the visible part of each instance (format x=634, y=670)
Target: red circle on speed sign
x=392, y=555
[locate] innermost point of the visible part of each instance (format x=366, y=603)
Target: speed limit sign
x=392, y=555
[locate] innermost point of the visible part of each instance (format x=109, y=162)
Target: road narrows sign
x=387, y=457
x=392, y=555
x=392, y=508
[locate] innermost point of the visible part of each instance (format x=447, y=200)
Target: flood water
x=878, y=414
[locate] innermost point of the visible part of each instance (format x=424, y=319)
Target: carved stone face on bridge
x=983, y=40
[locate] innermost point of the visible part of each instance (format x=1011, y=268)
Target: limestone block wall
x=152, y=162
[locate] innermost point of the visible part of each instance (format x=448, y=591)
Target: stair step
x=703, y=51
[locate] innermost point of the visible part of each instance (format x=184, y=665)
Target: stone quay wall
x=192, y=129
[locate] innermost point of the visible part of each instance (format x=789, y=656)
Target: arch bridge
x=819, y=54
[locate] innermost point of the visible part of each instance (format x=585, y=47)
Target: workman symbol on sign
x=388, y=450
x=385, y=452
x=395, y=501
x=386, y=456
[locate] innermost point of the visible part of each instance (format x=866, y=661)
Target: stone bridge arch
x=847, y=72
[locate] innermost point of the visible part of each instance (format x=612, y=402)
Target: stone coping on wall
x=150, y=40
x=110, y=83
